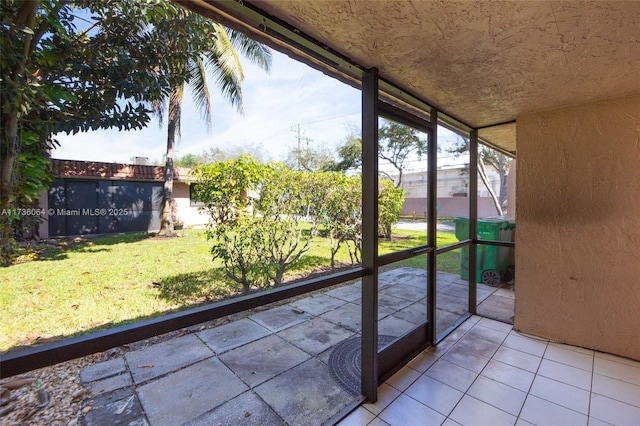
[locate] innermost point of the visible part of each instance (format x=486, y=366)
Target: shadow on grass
x=58, y=249
x=190, y=290
x=309, y=262
x=213, y=284
x=196, y=287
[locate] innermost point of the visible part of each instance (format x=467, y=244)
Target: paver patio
x=268, y=368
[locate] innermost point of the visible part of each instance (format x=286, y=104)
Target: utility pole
x=299, y=138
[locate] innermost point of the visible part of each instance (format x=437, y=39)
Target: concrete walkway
x=269, y=368
x=412, y=225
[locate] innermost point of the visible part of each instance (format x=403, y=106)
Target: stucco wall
x=511, y=190
x=189, y=215
x=578, y=219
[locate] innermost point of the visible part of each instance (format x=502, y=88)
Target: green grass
x=90, y=284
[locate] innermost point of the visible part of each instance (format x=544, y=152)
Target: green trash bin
x=492, y=261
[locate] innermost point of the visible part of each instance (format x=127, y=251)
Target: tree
x=58, y=78
x=205, y=46
x=308, y=159
x=259, y=220
x=493, y=158
x=340, y=210
x=501, y=164
x=349, y=153
x=390, y=201
x=397, y=143
x=223, y=187
x=284, y=203
x=214, y=154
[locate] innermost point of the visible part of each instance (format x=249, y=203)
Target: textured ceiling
x=483, y=62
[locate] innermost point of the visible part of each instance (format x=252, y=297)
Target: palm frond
x=176, y=97
x=224, y=65
x=256, y=52
x=200, y=89
x=159, y=107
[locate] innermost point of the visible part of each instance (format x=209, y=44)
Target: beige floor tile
x=403, y=378
x=616, y=389
x=566, y=374
x=423, y=361
x=571, y=397
x=386, y=395
x=518, y=359
x=596, y=422
x=469, y=360
x=541, y=412
x=489, y=334
x=566, y=356
x=473, y=412
x=619, y=359
x=406, y=411
x=434, y=394
x=509, y=375
x=378, y=422
x=525, y=344
x=617, y=370
x=498, y=394
x=451, y=374
x=496, y=325
x=614, y=412
x=584, y=351
x=358, y=417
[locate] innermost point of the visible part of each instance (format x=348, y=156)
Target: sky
x=276, y=104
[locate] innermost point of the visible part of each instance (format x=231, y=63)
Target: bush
x=263, y=216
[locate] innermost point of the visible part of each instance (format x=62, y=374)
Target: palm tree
x=202, y=46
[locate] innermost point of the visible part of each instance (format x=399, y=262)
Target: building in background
x=453, y=192
x=105, y=198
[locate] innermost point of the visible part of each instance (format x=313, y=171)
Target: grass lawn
x=95, y=283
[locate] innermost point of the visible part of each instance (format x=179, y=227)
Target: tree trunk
x=175, y=107
x=8, y=181
x=502, y=170
x=483, y=175
x=11, y=143
x=279, y=276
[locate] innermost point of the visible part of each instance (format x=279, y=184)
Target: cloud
x=293, y=95
x=274, y=105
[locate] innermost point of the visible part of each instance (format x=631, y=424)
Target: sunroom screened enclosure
x=472, y=68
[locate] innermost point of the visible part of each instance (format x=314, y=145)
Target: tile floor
x=486, y=373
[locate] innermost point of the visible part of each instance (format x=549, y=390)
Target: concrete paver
x=348, y=293
x=110, y=384
x=305, y=395
x=263, y=359
x=316, y=335
x=415, y=313
x=410, y=293
x=125, y=411
x=348, y=316
x=392, y=326
x=272, y=367
x=162, y=358
x=318, y=304
x=280, y=318
x=229, y=336
x=102, y=370
x=189, y=393
x=246, y=410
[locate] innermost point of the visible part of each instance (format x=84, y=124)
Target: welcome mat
x=344, y=362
